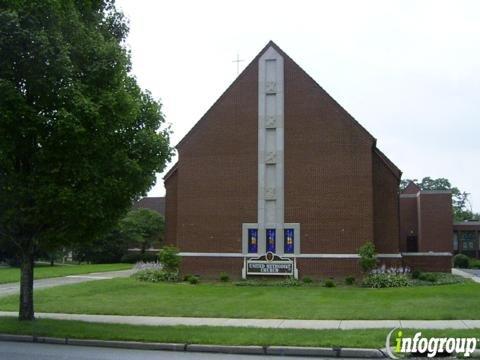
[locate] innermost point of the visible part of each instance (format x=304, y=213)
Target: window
x=289, y=241
x=252, y=241
x=271, y=237
x=468, y=240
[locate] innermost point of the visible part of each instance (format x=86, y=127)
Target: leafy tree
x=79, y=140
x=460, y=201
x=139, y=228
x=368, y=257
x=142, y=227
x=170, y=259
x=109, y=248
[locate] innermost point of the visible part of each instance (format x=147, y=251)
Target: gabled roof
x=270, y=44
x=390, y=165
x=171, y=171
x=151, y=202
x=411, y=188
x=244, y=71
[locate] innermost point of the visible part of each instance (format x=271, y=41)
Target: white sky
x=408, y=71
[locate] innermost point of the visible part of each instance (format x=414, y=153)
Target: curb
x=226, y=349
x=302, y=351
x=220, y=349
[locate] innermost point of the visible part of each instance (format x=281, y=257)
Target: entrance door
x=412, y=243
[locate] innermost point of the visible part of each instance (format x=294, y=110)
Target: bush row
x=385, y=280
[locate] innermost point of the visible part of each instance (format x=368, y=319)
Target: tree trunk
x=26, y=287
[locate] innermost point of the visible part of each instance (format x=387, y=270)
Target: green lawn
x=130, y=297
x=8, y=275
x=212, y=335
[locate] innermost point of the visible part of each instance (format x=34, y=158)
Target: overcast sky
x=408, y=71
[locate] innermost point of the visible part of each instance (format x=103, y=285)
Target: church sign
x=270, y=264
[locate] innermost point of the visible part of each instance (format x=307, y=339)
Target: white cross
x=238, y=61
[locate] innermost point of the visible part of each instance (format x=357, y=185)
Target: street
x=27, y=351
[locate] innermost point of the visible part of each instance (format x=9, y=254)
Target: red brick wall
x=171, y=210
x=321, y=268
x=211, y=267
x=408, y=220
x=429, y=263
x=386, y=217
x=328, y=169
x=217, y=171
x=411, y=189
x=337, y=268
x=435, y=224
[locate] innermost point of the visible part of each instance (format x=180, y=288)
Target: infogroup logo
x=430, y=346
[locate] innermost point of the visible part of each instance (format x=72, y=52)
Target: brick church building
x=276, y=166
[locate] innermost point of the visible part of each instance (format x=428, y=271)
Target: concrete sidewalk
x=261, y=323
x=473, y=274
x=14, y=288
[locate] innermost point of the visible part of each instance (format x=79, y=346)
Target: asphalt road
x=27, y=351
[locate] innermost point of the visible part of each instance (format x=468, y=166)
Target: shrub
x=474, y=263
x=307, y=280
x=329, y=284
x=461, y=261
x=170, y=259
x=368, y=257
x=224, y=277
x=392, y=270
x=249, y=282
x=290, y=281
x=187, y=277
x=349, y=280
x=141, y=265
x=193, y=280
x=416, y=274
x=155, y=275
x=430, y=277
x=385, y=280
x=440, y=279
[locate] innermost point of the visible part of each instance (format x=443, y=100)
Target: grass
x=474, y=263
x=9, y=274
x=127, y=296
x=373, y=338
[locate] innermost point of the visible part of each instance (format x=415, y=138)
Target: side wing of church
x=276, y=166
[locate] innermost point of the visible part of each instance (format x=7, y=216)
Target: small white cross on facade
x=238, y=61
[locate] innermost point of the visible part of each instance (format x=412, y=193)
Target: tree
x=368, y=257
x=142, y=227
x=79, y=140
x=108, y=248
x=170, y=259
x=460, y=202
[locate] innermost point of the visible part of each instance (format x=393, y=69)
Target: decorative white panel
x=270, y=146
x=271, y=157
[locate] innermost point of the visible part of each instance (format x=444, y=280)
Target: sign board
x=270, y=264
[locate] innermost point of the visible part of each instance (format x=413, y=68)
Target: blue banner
x=271, y=236
x=289, y=240
x=252, y=241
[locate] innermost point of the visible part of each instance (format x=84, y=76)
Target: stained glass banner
x=271, y=238
x=289, y=240
x=252, y=241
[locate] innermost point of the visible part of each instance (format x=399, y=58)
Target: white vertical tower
x=270, y=148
